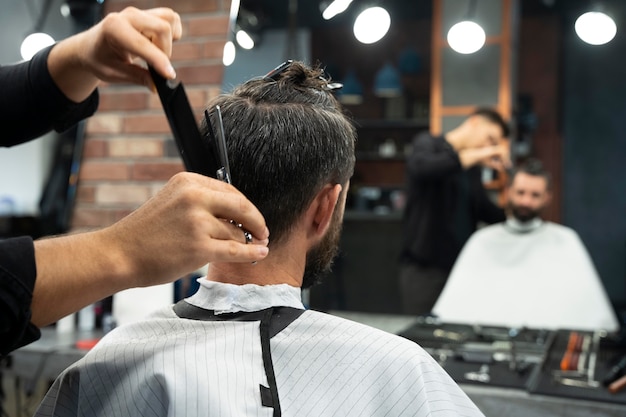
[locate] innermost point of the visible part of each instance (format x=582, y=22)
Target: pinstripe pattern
x=324, y=366
x=328, y=366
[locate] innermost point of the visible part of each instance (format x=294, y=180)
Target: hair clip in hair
x=275, y=73
x=333, y=86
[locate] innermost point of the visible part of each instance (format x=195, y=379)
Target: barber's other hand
x=496, y=157
x=184, y=227
x=108, y=51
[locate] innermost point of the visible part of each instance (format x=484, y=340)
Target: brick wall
x=130, y=153
x=539, y=71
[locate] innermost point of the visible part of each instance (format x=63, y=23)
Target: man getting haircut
x=244, y=345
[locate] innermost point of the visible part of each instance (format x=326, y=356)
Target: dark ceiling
x=275, y=13
x=272, y=14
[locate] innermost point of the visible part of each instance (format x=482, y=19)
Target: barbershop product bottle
x=67, y=324
x=87, y=318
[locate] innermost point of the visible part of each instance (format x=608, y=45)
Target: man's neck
x=279, y=267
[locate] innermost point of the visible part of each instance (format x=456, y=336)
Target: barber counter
x=529, y=372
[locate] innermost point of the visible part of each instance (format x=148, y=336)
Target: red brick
x=155, y=188
x=123, y=100
x=216, y=25
x=213, y=49
x=197, y=96
x=85, y=194
x=128, y=194
x=154, y=102
x=95, y=148
x=103, y=171
x=119, y=5
x=120, y=214
x=213, y=92
x=201, y=74
x=104, y=123
x=92, y=217
x=135, y=147
x=190, y=6
x=156, y=171
x=186, y=51
x=146, y=123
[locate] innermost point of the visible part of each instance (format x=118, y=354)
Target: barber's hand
x=108, y=51
x=184, y=227
x=496, y=157
x=180, y=229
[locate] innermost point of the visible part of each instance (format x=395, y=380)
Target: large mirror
x=568, y=108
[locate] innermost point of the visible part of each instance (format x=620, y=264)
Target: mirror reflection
x=561, y=99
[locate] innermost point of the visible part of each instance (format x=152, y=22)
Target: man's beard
x=524, y=214
x=319, y=259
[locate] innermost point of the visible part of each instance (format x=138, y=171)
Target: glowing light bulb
x=34, y=43
x=372, y=25
x=229, y=53
x=595, y=28
x=244, y=40
x=466, y=37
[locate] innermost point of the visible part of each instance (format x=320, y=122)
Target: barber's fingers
x=231, y=241
x=220, y=201
x=172, y=18
x=231, y=251
x=145, y=34
x=232, y=205
x=160, y=27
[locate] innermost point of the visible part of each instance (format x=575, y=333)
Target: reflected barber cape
x=543, y=278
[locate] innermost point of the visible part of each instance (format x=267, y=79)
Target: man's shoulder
x=562, y=233
x=323, y=325
x=559, y=228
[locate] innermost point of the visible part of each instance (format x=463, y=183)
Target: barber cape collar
x=515, y=226
x=248, y=302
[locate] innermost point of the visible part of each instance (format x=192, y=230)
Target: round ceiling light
x=372, y=25
x=466, y=37
x=595, y=28
x=33, y=43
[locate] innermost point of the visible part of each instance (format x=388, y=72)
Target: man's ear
x=321, y=210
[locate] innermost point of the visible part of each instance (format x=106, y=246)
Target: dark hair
x=286, y=137
x=494, y=117
x=534, y=167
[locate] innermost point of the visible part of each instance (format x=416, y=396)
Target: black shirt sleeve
x=31, y=104
x=432, y=158
x=17, y=281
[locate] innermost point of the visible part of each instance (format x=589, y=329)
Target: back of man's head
x=492, y=116
x=286, y=138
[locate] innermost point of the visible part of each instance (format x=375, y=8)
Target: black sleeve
x=31, y=104
x=17, y=280
x=432, y=157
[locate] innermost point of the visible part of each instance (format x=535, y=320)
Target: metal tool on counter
x=572, y=365
x=481, y=376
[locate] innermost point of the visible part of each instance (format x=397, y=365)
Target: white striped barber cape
x=320, y=365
